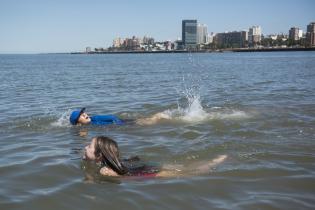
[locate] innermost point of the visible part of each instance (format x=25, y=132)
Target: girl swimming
x=105, y=151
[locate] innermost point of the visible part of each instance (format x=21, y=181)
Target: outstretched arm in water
x=178, y=170
x=195, y=169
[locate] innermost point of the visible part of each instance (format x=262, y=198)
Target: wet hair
x=107, y=150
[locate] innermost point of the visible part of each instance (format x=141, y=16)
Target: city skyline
x=41, y=27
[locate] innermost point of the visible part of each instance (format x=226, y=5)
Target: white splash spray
x=63, y=120
x=192, y=111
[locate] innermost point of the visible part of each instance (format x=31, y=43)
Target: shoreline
x=200, y=51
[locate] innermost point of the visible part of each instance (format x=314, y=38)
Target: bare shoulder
x=105, y=171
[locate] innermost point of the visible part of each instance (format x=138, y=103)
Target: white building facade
x=254, y=35
x=202, y=32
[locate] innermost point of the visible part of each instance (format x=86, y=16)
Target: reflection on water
x=257, y=108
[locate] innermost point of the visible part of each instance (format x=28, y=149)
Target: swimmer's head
x=105, y=150
x=79, y=117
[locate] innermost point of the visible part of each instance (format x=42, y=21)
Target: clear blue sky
x=34, y=26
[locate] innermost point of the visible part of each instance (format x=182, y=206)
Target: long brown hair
x=107, y=150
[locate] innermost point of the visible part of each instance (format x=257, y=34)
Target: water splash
x=190, y=110
x=193, y=111
x=63, y=120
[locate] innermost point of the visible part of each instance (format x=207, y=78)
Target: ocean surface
x=256, y=108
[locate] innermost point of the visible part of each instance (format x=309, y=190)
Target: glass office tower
x=189, y=34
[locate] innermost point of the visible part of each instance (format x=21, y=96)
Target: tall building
x=294, y=34
x=310, y=34
x=189, y=34
x=235, y=39
x=254, y=35
x=300, y=33
x=202, y=32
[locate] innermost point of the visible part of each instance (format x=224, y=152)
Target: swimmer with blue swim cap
x=79, y=117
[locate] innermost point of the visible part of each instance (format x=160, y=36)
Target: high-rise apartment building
x=202, y=32
x=254, y=35
x=310, y=34
x=294, y=34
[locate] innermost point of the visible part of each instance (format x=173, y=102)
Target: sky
x=48, y=26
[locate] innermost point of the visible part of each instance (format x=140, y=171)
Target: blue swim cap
x=75, y=116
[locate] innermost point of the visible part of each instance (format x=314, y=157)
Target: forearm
x=108, y=172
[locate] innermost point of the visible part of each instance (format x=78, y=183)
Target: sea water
x=256, y=108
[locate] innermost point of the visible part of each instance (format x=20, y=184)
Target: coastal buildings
x=310, y=35
x=178, y=44
x=132, y=44
x=194, y=34
x=118, y=42
x=254, y=36
x=235, y=39
x=202, y=33
x=195, y=37
x=189, y=34
x=147, y=40
x=300, y=33
x=294, y=34
x=210, y=37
